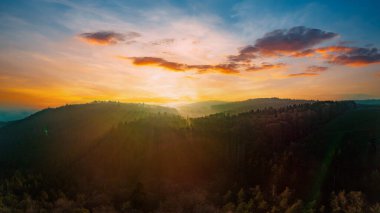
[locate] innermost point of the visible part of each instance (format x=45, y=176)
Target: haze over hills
x=211, y=107
x=368, y=102
x=203, y=108
x=258, y=103
x=11, y=114
x=199, y=109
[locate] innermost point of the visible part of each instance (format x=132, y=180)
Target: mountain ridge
x=198, y=109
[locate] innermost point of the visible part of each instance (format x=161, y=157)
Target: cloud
x=310, y=71
x=246, y=54
x=180, y=67
x=304, y=53
x=293, y=39
x=344, y=55
x=222, y=68
x=226, y=68
x=159, y=62
x=356, y=56
x=107, y=37
x=303, y=74
x=325, y=51
x=284, y=42
x=314, y=69
x=266, y=66
x=299, y=42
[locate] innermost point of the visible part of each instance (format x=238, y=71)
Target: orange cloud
x=221, y=68
x=343, y=55
x=266, y=66
x=303, y=74
x=159, y=62
x=304, y=53
x=227, y=68
x=179, y=67
x=324, y=51
x=333, y=49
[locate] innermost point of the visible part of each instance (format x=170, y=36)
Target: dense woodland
x=113, y=157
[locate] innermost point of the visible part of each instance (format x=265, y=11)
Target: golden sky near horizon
x=164, y=55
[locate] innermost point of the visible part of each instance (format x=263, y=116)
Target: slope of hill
x=346, y=152
x=211, y=107
x=66, y=131
x=111, y=142
x=258, y=103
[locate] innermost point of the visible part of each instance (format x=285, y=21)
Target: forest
x=293, y=156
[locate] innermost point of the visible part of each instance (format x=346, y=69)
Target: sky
x=56, y=52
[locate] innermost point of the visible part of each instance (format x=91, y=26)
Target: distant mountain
x=67, y=131
x=211, y=107
x=368, y=102
x=258, y=103
x=11, y=114
x=199, y=109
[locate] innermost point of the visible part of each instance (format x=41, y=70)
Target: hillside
x=211, y=107
x=150, y=159
x=258, y=103
x=65, y=132
x=346, y=150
